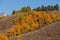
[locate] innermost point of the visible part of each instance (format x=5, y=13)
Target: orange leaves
x=28, y=18
x=49, y=20
x=3, y=37
x=40, y=15
x=34, y=26
x=58, y=16
x=17, y=29
x=17, y=26
x=11, y=33
x=52, y=15
x=14, y=31
x=19, y=38
x=11, y=30
x=45, y=15
x=33, y=20
x=25, y=27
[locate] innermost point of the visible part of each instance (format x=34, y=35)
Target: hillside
x=8, y=22
x=31, y=25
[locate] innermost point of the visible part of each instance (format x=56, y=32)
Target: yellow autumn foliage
x=19, y=38
x=3, y=37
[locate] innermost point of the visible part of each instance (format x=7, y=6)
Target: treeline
x=41, y=8
x=47, y=8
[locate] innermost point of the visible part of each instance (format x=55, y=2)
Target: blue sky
x=8, y=5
